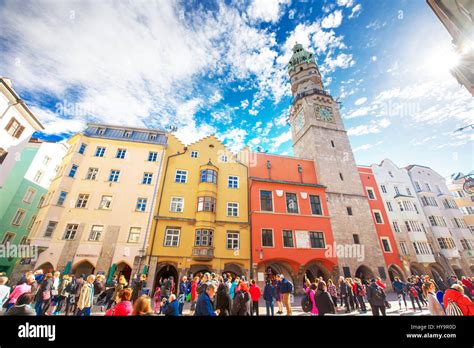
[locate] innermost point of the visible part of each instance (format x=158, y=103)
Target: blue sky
x=219, y=68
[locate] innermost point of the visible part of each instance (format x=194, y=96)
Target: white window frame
x=234, y=179
x=381, y=217
x=194, y=154
x=373, y=193
x=18, y=218
x=234, y=208
x=232, y=239
x=68, y=232
x=96, y=234
x=92, y=173
x=103, y=207
x=389, y=245
x=29, y=195
x=178, y=236
x=184, y=173
x=175, y=202
x=144, y=201
x=130, y=234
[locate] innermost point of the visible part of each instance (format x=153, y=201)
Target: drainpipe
x=8, y=107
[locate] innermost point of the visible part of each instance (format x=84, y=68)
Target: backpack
x=414, y=292
x=360, y=290
x=71, y=288
x=290, y=286
x=453, y=309
x=306, y=304
x=378, y=294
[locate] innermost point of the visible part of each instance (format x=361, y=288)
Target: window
x=134, y=234
x=224, y=158
x=100, y=152
x=101, y=131
x=82, y=200
x=206, y=204
x=396, y=190
x=391, y=174
x=437, y=221
x=50, y=228
x=356, y=238
x=172, y=237
x=82, y=148
x=96, y=232
x=39, y=175
x=288, y=241
x=105, y=202
x=14, y=128
x=466, y=244
x=3, y=154
x=317, y=240
x=386, y=245
x=233, y=182
x=194, y=154
x=291, y=203
x=8, y=238
x=18, y=218
x=177, y=204
x=459, y=223
x=383, y=188
x=152, y=136
x=438, y=189
x=73, y=170
x=71, y=230
x=389, y=206
x=233, y=240
x=467, y=210
x=121, y=153
x=41, y=201
x=417, y=186
x=450, y=204
x=204, y=237
x=428, y=201
x=232, y=209
x=209, y=175
x=408, y=192
x=403, y=248
x=267, y=238
x=127, y=134
x=29, y=195
x=341, y=177
x=181, y=176
x=61, y=198
x=378, y=217
x=147, y=178
x=152, y=156
x=266, y=201
x=370, y=194
x=349, y=210
x=396, y=228
x=141, y=204
x=315, y=202
x=30, y=224
x=114, y=175
x=46, y=160
x=92, y=173
x=428, y=188
x=446, y=243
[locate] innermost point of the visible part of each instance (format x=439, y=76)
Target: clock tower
x=318, y=133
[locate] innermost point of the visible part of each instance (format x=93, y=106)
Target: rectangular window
x=18, y=218
x=194, y=154
x=46, y=160
x=100, y=152
x=8, y=238
x=316, y=207
x=389, y=206
x=101, y=131
x=71, y=230
x=48, y=233
x=378, y=217
x=356, y=238
x=206, y=204
x=266, y=201
x=147, y=178
x=39, y=175
x=73, y=170
x=288, y=241
x=152, y=156
x=41, y=201
x=3, y=154
x=386, y=245
x=396, y=190
x=29, y=195
x=349, y=210
x=177, y=204
x=291, y=203
x=267, y=238
x=114, y=175
x=233, y=240
x=30, y=224
x=232, y=209
x=417, y=186
x=82, y=200
x=403, y=248
x=82, y=148
x=383, y=188
x=141, y=204
x=92, y=173
x=181, y=176
x=105, y=202
x=14, y=128
x=204, y=238
x=233, y=182
x=370, y=194
x=127, y=134
x=152, y=136
x=61, y=198
x=428, y=188
x=408, y=192
x=396, y=228
x=317, y=240
x=172, y=237
x=134, y=234
x=466, y=244
x=209, y=175
x=121, y=153
x=96, y=232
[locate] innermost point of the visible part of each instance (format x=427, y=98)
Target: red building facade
x=289, y=217
x=382, y=224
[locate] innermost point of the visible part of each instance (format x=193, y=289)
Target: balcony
x=203, y=253
x=417, y=236
x=425, y=258
x=450, y=253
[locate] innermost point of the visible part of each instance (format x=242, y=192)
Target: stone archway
x=416, y=270
x=458, y=271
x=166, y=271
x=364, y=273
x=314, y=270
x=124, y=269
x=83, y=267
x=273, y=268
x=395, y=271
x=46, y=267
x=233, y=269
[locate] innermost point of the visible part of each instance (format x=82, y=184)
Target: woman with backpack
x=323, y=300
x=269, y=296
x=62, y=294
x=241, y=302
x=456, y=303
x=223, y=300
x=376, y=297
x=413, y=293
x=429, y=290
x=332, y=290
x=43, y=296
x=399, y=288
x=359, y=294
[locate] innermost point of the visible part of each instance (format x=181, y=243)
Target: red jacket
x=123, y=308
x=467, y=284
x=382, y=285
x=464, y=303
x=193, y=290
x=255, y=292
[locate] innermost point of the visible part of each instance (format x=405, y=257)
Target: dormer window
x=152, y=136
x=127, y=134
x=100, y=131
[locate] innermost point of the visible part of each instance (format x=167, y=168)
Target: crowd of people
x=210, y=294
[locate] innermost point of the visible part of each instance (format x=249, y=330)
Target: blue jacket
x=285, y=286
x=184, y=288
x=269, y=293
x=171, y=309
x=398, y=286
x=204, y=306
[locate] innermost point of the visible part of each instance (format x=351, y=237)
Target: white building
x=17, y=124
x=446, y=220
x=409, y=225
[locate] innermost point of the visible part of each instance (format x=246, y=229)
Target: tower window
x=349, y=211
x=340, y=175
x=332, y=143
x=356, y=238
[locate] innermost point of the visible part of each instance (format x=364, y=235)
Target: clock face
x=299, y=121
x=325, y=114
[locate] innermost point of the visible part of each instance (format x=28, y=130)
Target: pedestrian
x=234, y=287
x=286, y=288
x=269, y=295
x=434, y=307
x=54, y=294
x=22, y=288
x=184, y=290
x=166, y=288
x=255, y=294
x=204, y=305
x=138, y=287
x=419, y=288
x=86, y=297
x=142, y=306
x=455, y=301
x=311, y=292
x=376, y=297
x=121, y=285
x=4, y=291
x=194, y=294
x=71, y=302
x=241, y=302
x=332, y=290
x=22, y=306
x=43, y=296
x=223, y=300
x=170, y=306
x=123, y=305
x=359, y=294
x=345, y=290
x=80, y=281
x=352, y=293
x=413, y=294
x=399, y=288
x=157, y=300
x=324, y=301
x=62, y=294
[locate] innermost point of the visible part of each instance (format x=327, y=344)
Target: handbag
x=188, y=297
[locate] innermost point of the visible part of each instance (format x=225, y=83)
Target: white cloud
x=215, y=98
x=371, y=128
x=365, y=147
x=244, y=104
x=373, y=58
x=234, y=139
x=346, y=3
x=279, y=140
x=360, y=101
x=267, y=10
x=332, y=20
x=355, y=11
x=343, y=61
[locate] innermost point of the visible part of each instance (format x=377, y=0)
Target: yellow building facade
x=98, y=210
x=201, y=222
